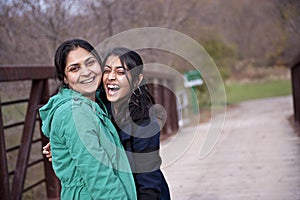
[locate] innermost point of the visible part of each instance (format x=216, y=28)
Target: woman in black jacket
x=136, y=119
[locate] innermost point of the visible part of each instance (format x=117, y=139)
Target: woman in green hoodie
x=87, y=155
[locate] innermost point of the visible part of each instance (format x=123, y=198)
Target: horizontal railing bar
x=12, y=148
x=35, y=162
x=13, y=125
x=18, y=146
x=37, y=140
x=17, y=124
x=14, y=102
x=26, y=72
x=29, y=165
x=34, y=185
x=11, y=173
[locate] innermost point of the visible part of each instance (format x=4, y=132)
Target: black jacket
x=141, y=143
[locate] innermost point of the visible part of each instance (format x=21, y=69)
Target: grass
x=238, y=92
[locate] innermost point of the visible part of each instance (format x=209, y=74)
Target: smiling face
x=82, y=72
x=115, y=82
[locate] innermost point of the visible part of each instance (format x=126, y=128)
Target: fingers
x=47, y=152
x=47, y=146
x=46, y=149
x=48, y=155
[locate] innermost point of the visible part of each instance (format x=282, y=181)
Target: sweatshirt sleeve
x=83, y=134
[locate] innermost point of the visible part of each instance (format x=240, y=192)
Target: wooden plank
x=174, y=112
x=24, y=151
x=4, y=177
x=167, y=105
x=25, y=72
x=52, y=182
x=295, y=90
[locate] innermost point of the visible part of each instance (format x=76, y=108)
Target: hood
x=47, y=111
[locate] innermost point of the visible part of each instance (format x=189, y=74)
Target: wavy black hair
x=141, y=100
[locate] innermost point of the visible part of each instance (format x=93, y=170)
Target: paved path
x=256, y=157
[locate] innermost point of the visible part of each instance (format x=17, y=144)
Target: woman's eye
x=74, y=69
x=121, y=72
x=91, y=63
x=106, y=71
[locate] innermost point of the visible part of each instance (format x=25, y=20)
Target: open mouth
x=112, y=89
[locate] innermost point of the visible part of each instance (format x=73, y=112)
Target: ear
x=65, y=80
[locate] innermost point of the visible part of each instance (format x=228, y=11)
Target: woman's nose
x=85, y=71
x=112, y=75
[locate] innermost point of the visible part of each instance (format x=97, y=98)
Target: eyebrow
x=89, y=58
x=86, y=60
x=117, y=67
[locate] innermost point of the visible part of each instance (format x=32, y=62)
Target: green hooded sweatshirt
x=87, y=155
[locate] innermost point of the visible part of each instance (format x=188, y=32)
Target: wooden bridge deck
x=256, y=157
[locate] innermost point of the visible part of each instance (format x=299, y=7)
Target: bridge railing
x=14, y=182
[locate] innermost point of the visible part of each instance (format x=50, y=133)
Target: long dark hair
x=141, y=100
x=62, y=52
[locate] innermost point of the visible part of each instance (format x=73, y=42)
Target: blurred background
x=249, y=40
x=254, y=44
x=238, y=34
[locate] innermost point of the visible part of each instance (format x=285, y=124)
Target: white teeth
x=113, y=86
x=88, y=81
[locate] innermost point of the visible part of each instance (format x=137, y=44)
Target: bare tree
x=8, y=32
x=290, y=13
x=261, y=30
